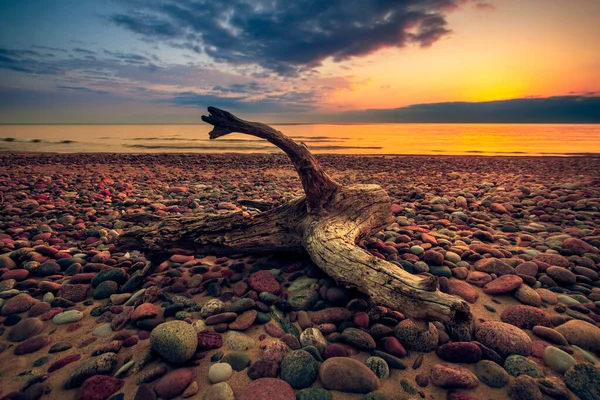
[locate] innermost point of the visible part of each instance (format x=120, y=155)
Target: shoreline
x=278, y=153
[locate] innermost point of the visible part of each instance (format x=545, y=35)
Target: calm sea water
x=440, y=139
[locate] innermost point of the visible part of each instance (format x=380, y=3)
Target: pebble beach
x=518, y=238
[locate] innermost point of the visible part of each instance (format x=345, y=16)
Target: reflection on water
x=440, y=139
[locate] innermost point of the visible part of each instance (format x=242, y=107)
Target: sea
x=398, y=139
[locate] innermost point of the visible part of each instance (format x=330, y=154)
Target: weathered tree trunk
x=326, y=224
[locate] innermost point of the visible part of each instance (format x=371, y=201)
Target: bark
x=326, y=224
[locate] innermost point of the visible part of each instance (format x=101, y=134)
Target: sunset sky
x=166, y=60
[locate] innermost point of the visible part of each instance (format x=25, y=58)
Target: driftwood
x=326, y=223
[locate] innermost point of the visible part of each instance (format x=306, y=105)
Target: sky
x=165, y=61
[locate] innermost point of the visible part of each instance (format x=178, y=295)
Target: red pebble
x=143, y=335
x=99, y=387
x=64, y=361
x=130, y=341
x=361, y=319
x=391, y=345
x=209, y=340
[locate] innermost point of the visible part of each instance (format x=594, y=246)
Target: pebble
x=524, y=387
x=18, y=304
x=238, y=360
x=67, y=317
x=267, y=388
x=459, y=352
x=219, y=372
x=503, y=284
x=582, y=334
x=99, y=387
x=558, y=360
x=491, y=374
x=378, y=366
x=25, y=329
x=299, y=369
x=517, y=365
x=173, y=383
x=453, y=377
x=237, y=341
x=584, y=381
x=347, y=375
x=525, y=317
x=219, y=391
x=409, y=335
x=503, y=338
x=175, y=341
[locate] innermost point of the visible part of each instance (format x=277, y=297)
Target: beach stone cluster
x=517, y=239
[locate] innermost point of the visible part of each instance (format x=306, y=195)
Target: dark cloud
x=557, y=109
x=84, y=51
x=82, y=89
x=286, y=102
x=288, y=36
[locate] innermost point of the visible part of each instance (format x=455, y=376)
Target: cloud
x=82, y=89
x=556, y=109
x=284, y=102
x=284, y=36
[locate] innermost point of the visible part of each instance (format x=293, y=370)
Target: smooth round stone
x=558, y=360
x=172, y=384
x=237, y=341
x=581, y=333
x=25, y=329
x=418, y=250
x=347, y=375
x=145, y=310
x=528, y=296
x=517, y=365
x=463, y=289
x=503, y=338
x=358, y=338
x=567, y=300
x=219, y=372
x=491, y=374
x=18, y=304
x=121, y=298
x=584, y=381
x=547, y=296
x=452, y=257
x=478, y=278
x=503, y=284
x=413, y=339
x=453, y=377
x=175, y=341
x=237, y=360
x=67, y=317
x=561, y=275
x=524, y=387
x=243, y=321
x=459, y=352
x=299, y=369
x=99, y=387
x=219, y=391
x=549, y=334
x=525, y=317
x=267, y=388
